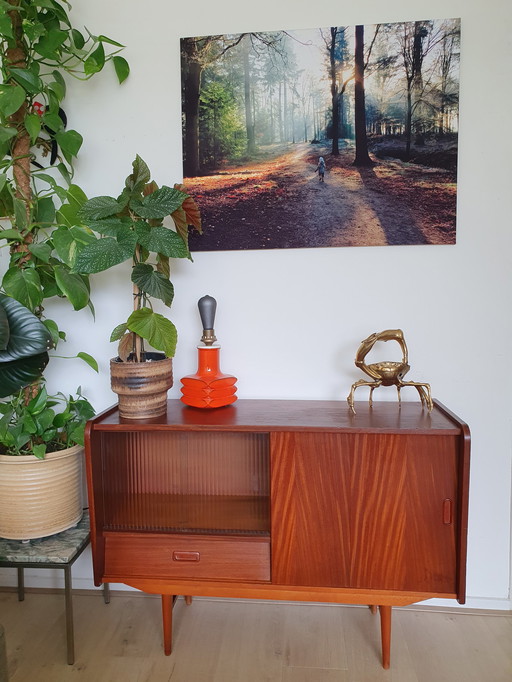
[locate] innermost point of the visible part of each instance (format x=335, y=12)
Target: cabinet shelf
x=219, y=514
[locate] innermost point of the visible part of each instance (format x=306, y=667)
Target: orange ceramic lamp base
x=209, y=387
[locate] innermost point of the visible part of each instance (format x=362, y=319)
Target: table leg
x=188, y=599
x=21, y=584
x=106, y=593
x=167, y=604
x=385, y=630
x=69, y=614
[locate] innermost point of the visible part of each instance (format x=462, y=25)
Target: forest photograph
x=329, y=137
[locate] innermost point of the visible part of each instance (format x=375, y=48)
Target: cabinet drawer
x=186, y=556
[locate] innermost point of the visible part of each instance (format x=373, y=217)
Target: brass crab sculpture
x=387, y=373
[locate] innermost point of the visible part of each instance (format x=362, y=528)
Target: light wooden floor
x=230, y=641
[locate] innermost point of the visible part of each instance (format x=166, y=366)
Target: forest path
x=279, y=202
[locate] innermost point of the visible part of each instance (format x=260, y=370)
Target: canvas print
x=330, y=137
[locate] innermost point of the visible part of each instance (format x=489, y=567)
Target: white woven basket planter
x=40, y=497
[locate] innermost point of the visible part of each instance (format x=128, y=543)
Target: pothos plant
x=132, y=227
x=39, y=50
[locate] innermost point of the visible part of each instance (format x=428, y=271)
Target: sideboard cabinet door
x=365, y=510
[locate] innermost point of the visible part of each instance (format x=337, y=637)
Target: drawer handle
x=186, y=556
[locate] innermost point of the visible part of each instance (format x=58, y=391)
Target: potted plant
x=39, y=48
x=131, y=227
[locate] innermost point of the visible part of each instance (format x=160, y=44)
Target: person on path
x=320, y=169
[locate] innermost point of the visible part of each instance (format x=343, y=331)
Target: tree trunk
x=362, y=156
x=249, y=120
x=192, y=86
x=334, y=94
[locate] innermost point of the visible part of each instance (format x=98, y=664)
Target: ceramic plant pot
x=142, y=387
x=40, y=497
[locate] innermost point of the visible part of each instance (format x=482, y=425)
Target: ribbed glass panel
x=188, y=482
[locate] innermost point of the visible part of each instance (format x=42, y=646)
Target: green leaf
x=53, y=121
x=153, y=283
x=11, y=234
x=70, y=142
x=5, y=26
x=98, y=208
x=6, y=134
x=122, y=68
x=69, y=241
x=49, y=45
x=159, y=204
x=4, y=329
x=53, y=329
x=39, y=450
x=104, y=254
x=141, y=176
x=45, y=213
x=118, y=332
x=28, y=335
x=111, y=227
x=27, y=79
x=155, y=328
x=33, y=126
x=59, y=79
x=95, y=61
x=72, y=286
x=89, y=360
x=20, y=373
x=20, y=213
x=78, y=38
x=24, y=285
x=57, y=90
x=38, y=403
x=161, y=240
x=41, y=251
x=106, y=39
x=65, y=174
x=11, y=99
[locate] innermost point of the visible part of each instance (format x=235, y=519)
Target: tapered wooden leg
x=385, y=631
x=167, y=603
x=188, y=599
x=373, y=608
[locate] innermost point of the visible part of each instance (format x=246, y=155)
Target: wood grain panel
x=309, y=510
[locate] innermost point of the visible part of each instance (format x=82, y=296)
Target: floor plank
x=237, y=641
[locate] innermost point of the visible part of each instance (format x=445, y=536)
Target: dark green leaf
x=122, y=68
x=72, y=286
x=5, y=26
x=53, y=329
x=140, y=176
x=20, y=213
x=11, y=99
x=155, y=328
x=78, y=38
x=39, y=450
x=45, y=212
x=95, y=61
x=20, y=373
x=159, y=204
x=104, y=254
x=57, y=90
x=70, y=142
x=161, y=240
x=41, y=251
x=38, y=402
x=65, y=174
x=4, y=329
x=49, y=45
x=153, y=283
x=106, y=39
x=59, y=79
x=98, y=208
x=28, y=335
x=53, y=121
x=27, y=79
x=24, y=285
x=111, y=227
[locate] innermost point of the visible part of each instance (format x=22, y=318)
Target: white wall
x=312, y=307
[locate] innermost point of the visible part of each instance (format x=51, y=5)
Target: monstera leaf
x=24, y=342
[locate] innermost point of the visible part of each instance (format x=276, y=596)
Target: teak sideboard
x=279, y=499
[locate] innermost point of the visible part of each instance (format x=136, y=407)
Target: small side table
x=57, y=551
